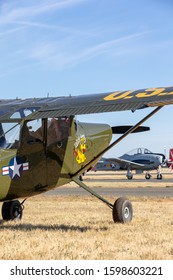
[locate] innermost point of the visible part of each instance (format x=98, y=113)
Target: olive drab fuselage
x=39, y=155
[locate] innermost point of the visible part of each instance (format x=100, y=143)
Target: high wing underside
x=85, y=104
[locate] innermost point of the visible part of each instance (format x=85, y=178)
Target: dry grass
x=70, y=228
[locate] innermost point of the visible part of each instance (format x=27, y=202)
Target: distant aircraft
x=170, y=162
x=140, y=159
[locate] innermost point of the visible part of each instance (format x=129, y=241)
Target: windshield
x=9, y=135
x=139, y=151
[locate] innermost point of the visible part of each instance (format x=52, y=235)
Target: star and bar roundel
x=15, y=168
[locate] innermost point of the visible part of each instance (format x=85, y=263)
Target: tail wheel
x=12, y=210
x=122, y=210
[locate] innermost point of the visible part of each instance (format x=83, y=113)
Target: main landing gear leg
x=159, y=173
x=122, y=211
x=12, y=210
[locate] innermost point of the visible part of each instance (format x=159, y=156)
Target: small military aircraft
x=170, y=161
x=140, y=159
x=43, y=147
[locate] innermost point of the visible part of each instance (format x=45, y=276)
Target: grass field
x=81, y=228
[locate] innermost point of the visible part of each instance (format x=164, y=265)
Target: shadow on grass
x=30, y=227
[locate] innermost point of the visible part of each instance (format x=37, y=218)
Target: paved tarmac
x=143, y=191
x=155, y=189
x=113, y=180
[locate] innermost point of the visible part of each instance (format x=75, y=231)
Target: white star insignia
x=15, y=168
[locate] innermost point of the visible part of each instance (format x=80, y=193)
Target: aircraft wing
x=87, y=104
x=125, y=163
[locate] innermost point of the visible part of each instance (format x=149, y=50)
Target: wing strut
x=81, y=184
x=85, y=167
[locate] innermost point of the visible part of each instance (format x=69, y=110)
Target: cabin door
x=58, y=131
x=33, y=152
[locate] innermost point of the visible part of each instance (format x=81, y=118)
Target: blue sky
x=75, y=47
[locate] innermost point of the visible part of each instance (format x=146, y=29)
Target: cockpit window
x=9, y=135
x=138, y=151
x=146, y=151
x=34, y=131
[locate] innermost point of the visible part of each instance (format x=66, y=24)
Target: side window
x=9, y=135
x=2, y=137
x=34, y=131
x=58, y=130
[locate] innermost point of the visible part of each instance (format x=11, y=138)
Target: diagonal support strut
x=82, y=185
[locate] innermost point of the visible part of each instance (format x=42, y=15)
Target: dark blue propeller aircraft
x=140, y=159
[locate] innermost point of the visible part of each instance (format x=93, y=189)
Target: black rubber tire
x=147, y=176
x=11, y=210
x=5, y=211
x=122, y=211
x=15, y=210
x=159, y=176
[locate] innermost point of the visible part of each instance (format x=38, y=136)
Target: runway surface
x=143, y=191
x=116, y=184
x=152, y=180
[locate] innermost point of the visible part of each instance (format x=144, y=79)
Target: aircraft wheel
x=16, y=210
x=6, y=211
x=159, y=176
x=12, y=210
x=122, y=210
x=147, y=176
x=130, y=177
